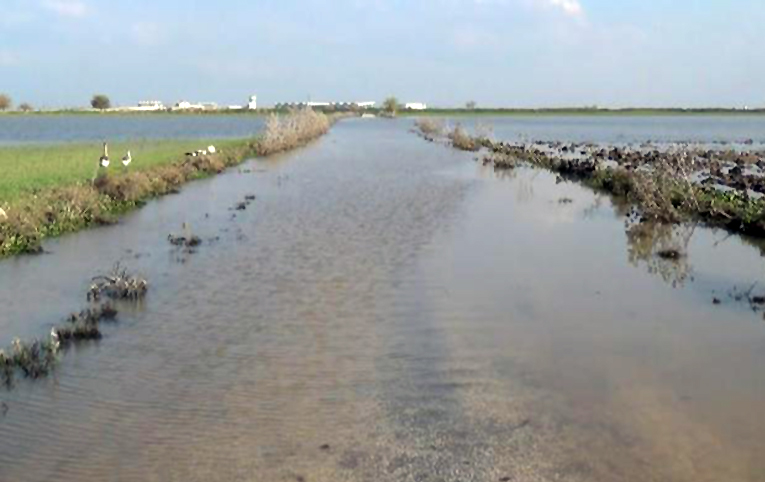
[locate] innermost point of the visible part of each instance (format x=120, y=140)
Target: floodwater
x=25, y=129
x=620, y=129
x=387, y=309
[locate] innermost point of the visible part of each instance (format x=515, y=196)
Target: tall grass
x=296, y=129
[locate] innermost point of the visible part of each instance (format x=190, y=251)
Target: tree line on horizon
x=99, y=101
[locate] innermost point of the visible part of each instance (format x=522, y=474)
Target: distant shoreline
x=637, y=111
x=553, y=111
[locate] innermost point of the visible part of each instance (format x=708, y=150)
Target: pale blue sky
x=525, y=53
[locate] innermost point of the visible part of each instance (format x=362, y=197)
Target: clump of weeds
x=118, y=285
x=186, y=240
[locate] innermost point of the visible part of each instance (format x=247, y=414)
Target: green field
x=28, y=168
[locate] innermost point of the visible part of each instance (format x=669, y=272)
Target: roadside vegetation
x=294, y=130
x=46, y=191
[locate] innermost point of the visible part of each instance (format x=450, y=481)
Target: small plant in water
x=187, y=239
x=118, y=285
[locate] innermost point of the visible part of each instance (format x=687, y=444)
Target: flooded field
x=389, y=309
x=730, y=129
x=37, y=128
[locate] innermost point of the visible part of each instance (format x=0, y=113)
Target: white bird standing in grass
x=211, y=149
x=127, y=159
x=104, y=159
x=3, y=215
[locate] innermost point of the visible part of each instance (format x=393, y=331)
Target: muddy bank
x=52, y=212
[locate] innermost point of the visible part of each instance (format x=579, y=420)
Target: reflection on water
x=386, y=309
x=646, y=243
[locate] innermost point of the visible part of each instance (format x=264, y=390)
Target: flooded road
x=388, y=309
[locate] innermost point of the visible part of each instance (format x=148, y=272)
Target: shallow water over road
x=387, y=309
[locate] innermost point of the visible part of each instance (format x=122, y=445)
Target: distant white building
x=253, y=103
x=366, y=105
x=186, y=105
x=149, y=105
x=415, y=106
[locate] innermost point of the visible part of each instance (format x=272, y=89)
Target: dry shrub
x=667, y=190
x=462, y=140
x=430, y=128
x=293, y=130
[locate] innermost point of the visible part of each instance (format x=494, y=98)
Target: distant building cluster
x=328, y=105
x=184, y=105
x=252, y=104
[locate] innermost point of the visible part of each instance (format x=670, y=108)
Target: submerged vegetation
x=48, y=191
x=118, y=285
x=37, y=358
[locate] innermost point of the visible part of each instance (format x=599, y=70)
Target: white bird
x=104, y=159
x=127, y=159
x=211, y=149
x=54, y=339
x=201, y=152
x=3, y=214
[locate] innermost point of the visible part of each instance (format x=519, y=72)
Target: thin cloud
x=67, y=8
x=146, y=33
x=8, y=58
x=569, y=7
x=572, y=8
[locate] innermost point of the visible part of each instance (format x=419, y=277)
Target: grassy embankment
x=49, y=190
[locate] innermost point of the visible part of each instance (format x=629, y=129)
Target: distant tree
x=470, y=105
x=5, y=102
x=25, y=107
x=100, y=101
x=390, y=106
